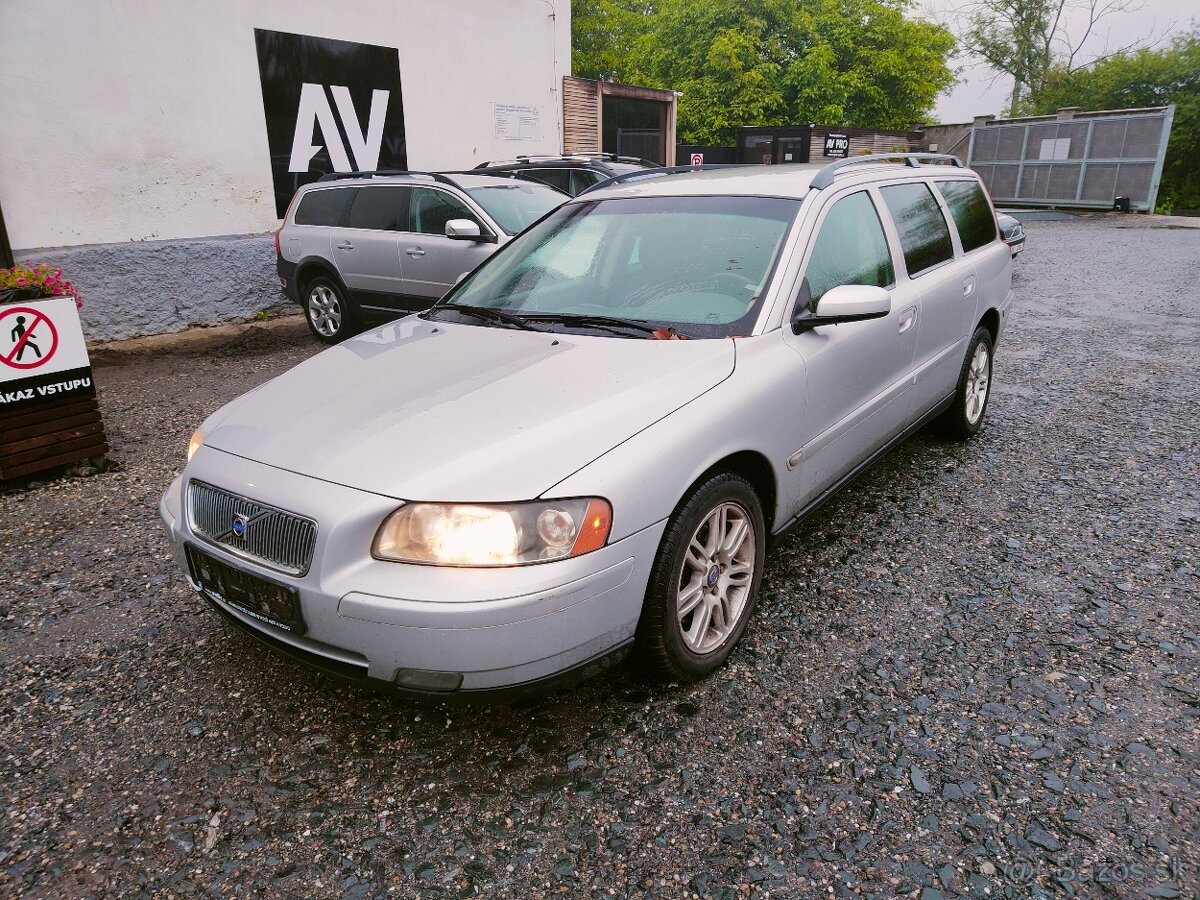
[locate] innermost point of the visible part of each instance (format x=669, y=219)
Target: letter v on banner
x=315, y=111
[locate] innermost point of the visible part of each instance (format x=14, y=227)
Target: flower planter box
x=49, y=416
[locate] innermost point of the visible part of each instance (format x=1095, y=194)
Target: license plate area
x=266, y=601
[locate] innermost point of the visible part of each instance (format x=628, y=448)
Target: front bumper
x=373, y=621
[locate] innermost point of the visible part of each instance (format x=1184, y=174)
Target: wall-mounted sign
x=697, y=159
x=517, y=123
x=331, y=106
x=837, y=145
x=42, y=353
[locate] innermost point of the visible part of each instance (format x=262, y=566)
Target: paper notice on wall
x=517, y=123
x=1055, y=148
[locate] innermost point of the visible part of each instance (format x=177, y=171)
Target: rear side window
x=581, y=180
x=380, y=208
x=850, y=249
x=972, y=213
x=924, y=235
x=323, y=207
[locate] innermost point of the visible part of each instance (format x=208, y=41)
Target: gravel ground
x=977, y=671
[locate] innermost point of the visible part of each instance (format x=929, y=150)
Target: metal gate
x=1087, y=161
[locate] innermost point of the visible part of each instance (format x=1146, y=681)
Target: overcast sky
x=978, y=92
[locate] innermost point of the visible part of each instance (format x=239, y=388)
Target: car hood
x=422, y=410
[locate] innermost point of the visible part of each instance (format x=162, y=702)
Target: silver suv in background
x=373, y=246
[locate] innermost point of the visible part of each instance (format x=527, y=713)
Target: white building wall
x=142, y=120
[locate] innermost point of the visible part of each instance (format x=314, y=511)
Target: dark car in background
x=1013, y=233
x=571, y=174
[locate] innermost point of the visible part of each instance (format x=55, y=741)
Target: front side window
x=971, y=211
x=700, y=263
x=379, y=207
x=323, y=207
x=850, y=249
x=924, y=235
x=430, y=210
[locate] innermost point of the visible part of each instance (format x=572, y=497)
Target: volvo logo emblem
x=240, y=524
x=713, y=574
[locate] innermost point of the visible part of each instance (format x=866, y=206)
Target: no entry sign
x=42, y=353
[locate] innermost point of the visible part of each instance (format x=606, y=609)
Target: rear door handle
x=415, y=251
x=907, y=318
x=969, y=286
x=345, y=245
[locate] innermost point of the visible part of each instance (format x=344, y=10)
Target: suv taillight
x=279, y=230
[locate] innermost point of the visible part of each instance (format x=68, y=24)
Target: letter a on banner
x=315, y=110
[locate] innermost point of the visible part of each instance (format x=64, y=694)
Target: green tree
x=774, y=62
x=1144, y=78
x=604, y=34
x=770, y=62
x=1029, y=40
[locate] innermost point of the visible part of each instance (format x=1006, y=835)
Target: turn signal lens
x=500, y=534
x=194, y=444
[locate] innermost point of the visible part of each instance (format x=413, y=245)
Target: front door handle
x=969, y=286
x=415, y=251
x=907, y=318
x=345, y=245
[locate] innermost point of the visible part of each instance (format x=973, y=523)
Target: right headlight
x=493, y=534
x=194, y=444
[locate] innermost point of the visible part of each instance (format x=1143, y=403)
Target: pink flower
x=22, y=282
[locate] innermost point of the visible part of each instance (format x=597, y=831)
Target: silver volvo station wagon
x=587, y=445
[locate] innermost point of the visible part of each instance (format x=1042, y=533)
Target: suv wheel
x=965, y=415
x=705, y=580
x=329, y=314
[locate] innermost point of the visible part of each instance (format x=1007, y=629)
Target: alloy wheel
x=324, y=310
x=979, y=377
x=715, y=578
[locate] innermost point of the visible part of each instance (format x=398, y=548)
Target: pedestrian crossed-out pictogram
x=28, y=339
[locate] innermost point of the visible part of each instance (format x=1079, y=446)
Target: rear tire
x=965, y=416
x=705, y=580
x=330, y=316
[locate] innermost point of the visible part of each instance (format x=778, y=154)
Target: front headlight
x=494, y=534
x=194, y=444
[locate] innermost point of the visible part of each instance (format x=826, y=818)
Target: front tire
x=965, y=416
x=329, y=314
x=705, y=580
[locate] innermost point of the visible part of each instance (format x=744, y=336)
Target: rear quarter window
x=324, y=207
x=972, y=213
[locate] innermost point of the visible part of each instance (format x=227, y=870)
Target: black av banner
x=331, y=106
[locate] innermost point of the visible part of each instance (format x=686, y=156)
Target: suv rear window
x=323, y=207
x=972, y=213
x=924, y=235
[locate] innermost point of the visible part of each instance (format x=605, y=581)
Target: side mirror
x=465, y=230
x=846, y=303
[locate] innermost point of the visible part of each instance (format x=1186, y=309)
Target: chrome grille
x=273, y=537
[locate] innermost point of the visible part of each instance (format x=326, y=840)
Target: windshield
x=517, y=205
x=697, y=264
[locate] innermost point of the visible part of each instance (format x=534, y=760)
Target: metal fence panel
x=1075, y=162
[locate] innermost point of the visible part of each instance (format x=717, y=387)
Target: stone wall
x=151, y=287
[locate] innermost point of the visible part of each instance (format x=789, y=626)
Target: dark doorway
x=634, y=128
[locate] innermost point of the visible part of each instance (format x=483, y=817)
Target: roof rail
x=824, y=178
x=436, y=176
x=654, y=173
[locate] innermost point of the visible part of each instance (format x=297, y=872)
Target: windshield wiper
x=610, y=322
x=486, y=313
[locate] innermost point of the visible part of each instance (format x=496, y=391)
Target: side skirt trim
x=820, y=501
